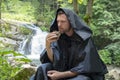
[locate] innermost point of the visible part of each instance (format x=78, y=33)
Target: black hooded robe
x=76, y=53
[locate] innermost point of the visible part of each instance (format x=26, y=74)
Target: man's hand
x=51, y=37
x=54, y=75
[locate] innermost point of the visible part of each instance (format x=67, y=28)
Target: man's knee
x=32, y=77
x=85, y=78
x=80, y=77
x=44, y=66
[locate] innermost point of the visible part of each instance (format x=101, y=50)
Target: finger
x=50, y=35
x=49, y=75
x=51, y=71
x=51, y=39
x=53, y=33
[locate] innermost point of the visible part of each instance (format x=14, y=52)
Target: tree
x=88, y=15
x=75, y=6
x=88, y=4
x=0, y=13
x=0, y=8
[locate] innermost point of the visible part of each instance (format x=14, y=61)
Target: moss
x=25, y=31
x=24, y=74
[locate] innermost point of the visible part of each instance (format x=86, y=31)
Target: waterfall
x=33, y=46
x=37, y=43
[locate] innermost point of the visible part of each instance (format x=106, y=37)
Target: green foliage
x=47, y=17
x=106, y=19
x=105, y=56
x=43, y=12
x=22, y=60
x=65, y=4
x=79, y=1
x=25, y=31
x=8, y=70
x=17, y=10
x=6, y=46
x=114, y=48
x=106, y=27
x=18, y=16
x=43, y=28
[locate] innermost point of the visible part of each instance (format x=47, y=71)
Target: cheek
x=67, y=26
x=64, y=26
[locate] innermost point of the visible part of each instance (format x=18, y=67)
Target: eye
x=63, y=21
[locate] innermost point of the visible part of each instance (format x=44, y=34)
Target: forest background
x=103, y=17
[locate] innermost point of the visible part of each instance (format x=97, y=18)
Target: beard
x=62, y=31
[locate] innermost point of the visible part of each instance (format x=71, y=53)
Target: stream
x=33, y=46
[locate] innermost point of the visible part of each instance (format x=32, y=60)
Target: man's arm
x=51, y=37
x=50, y=53
x=55, y=75
x=68, y=74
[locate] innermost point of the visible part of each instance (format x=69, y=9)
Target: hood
x=76, y=23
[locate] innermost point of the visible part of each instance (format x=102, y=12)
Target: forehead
x=61, y=16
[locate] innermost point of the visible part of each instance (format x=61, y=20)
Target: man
x=71, y=55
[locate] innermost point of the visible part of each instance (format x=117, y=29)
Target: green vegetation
x=17, y=10
x=106, y=57
x=25, y=31
x=7, y=67
x=106, y=27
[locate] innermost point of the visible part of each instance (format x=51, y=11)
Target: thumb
x=51, y=71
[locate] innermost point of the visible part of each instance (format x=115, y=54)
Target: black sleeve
x=43, y=57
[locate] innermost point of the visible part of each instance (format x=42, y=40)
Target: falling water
x=37, y=44
x=33, y=46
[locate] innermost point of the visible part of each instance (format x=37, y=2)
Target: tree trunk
x=88, y=15
x=0, y=14
x=75, y=6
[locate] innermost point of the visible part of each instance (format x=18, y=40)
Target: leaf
x=80, y=1
x=85, y=2
x=23, y=60
x=70, y=1
x=59, y=0
x=2, y=53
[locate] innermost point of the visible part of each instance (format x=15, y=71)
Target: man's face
x=63, y=23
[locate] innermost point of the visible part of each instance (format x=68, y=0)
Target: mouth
x=58, y=33
x=61, y=30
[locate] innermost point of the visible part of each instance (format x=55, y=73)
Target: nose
x=59, y=24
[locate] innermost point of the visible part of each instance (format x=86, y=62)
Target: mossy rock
x=24, y=74
x=108, y=77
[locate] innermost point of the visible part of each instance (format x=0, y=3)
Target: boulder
x=113, y=74
x=25, y=73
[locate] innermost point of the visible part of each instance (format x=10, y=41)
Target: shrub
x=7, y=70
x=105, y=56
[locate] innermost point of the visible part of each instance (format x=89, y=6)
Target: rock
x=13, y=34
x=109, y=77
x=115, y=73
x=25, y=73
